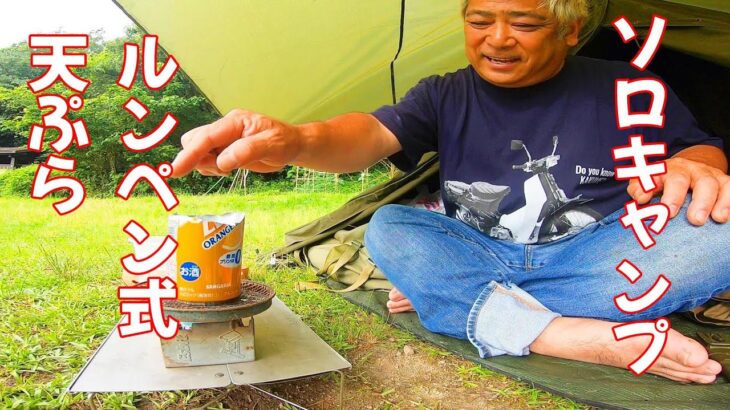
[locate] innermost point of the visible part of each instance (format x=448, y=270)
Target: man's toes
x=685, y=377
x=699, y=378
x=401, y=309
x=694, y=356
x=393, y=292
x=709, y=368
x=403, y=305
x=398, y=304
x=684, y=350
x=395, y=295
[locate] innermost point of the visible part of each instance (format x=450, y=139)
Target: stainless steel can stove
x=216, y=333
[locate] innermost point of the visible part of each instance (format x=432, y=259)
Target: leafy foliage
x=17, y=182
x=101, y=166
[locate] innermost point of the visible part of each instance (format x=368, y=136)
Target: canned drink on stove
x=208, y=257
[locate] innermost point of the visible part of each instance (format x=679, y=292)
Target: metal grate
x=255, y=298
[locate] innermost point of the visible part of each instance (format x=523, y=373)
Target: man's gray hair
x=566, y=12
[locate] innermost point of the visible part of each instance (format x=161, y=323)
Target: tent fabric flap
x=700, y=28
x=303, y=60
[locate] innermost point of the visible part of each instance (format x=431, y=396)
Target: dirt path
x=410, y=378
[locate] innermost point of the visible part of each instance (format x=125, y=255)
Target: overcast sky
x=19, y=18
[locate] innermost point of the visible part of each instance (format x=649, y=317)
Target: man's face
x=515, y=43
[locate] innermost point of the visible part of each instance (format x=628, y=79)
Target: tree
x=102, y=165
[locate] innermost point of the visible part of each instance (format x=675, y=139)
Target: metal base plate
x=285, y=349
x=211, y=343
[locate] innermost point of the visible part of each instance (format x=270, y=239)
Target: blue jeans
x=501, y=295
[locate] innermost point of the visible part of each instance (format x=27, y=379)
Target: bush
x=17, y=182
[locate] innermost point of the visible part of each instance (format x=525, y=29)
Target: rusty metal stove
x=216, y=333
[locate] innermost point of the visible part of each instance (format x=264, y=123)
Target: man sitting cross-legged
x=524, y=259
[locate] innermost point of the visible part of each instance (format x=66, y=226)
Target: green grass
x=58, y=280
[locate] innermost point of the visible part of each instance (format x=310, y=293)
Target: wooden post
x=245, y=181
x=296, y=179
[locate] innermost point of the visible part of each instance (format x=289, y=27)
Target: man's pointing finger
x=206, y=139
x=243, y=151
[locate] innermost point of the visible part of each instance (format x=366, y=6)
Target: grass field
x=58, y=279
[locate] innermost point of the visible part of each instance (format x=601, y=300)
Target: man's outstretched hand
x=710, y=187
x=241, y=139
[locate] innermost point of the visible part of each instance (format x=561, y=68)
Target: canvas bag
x=334, y=244
x=716, y=312
x=345, y=260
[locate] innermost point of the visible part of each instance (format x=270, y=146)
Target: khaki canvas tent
x=302, y=60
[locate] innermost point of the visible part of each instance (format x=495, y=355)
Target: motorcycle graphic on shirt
x=548, y=213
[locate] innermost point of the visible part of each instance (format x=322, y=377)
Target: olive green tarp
x=700, y=28
x=599, y=386
x=302, y=60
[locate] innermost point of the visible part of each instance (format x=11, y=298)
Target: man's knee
x=388, y=214
x=695, y=257
x=396, y=233
x=387, y=222
x=701, y=238
x=380, y=228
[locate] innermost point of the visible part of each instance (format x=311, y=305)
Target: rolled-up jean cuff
x=506, y=321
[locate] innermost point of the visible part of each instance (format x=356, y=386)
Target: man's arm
x=347, y=143
x=701, y=169
x=244, y=139
x=705, y=154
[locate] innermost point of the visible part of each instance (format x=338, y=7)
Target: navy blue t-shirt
x=482, y=134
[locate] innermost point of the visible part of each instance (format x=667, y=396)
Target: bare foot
x=589, y=340
x=398, y=303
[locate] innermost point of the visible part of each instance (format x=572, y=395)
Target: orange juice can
x=208, y=257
